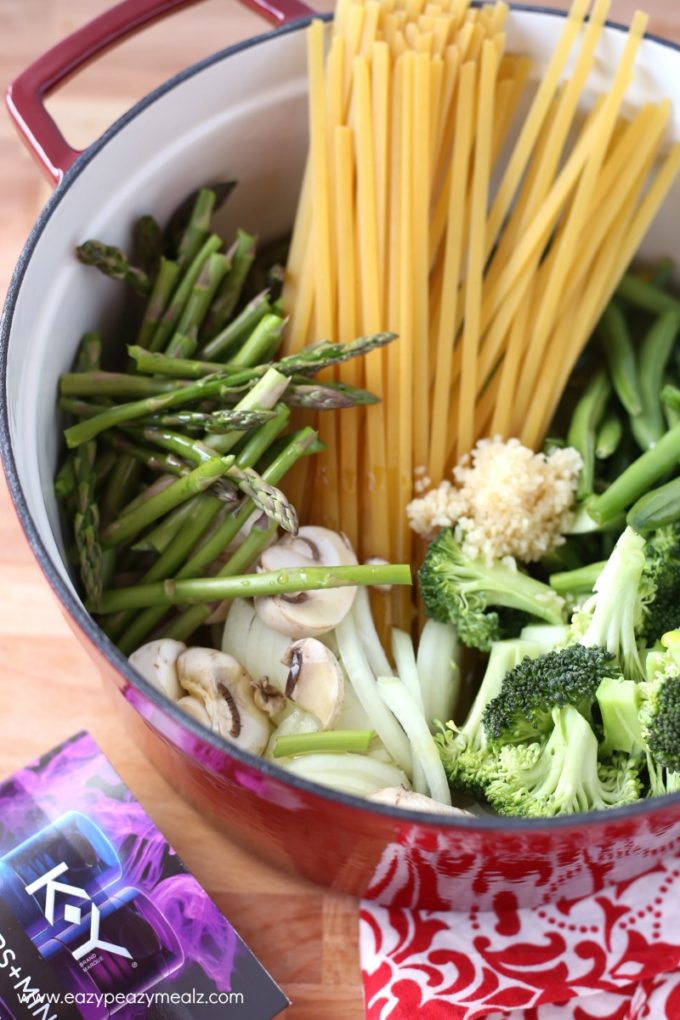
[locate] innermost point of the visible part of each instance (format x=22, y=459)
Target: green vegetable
x=661, y=583
x=468, y=593
x=357, y=741
x=114, y=263
x=181, y=294
x=198, y=227
x=163, y=287
x=239, y=328
x=656, y=508
x=609, y=436
x=650, y=424
x=618, y=348
x=585, y=420
x=647, y=296
x=186, y=333
x=638, y=478
x=561, y=776
x=241, y=256
x=131, y=524
x=523, y=708
x=148, y=244
x=579, y=581
x=86, y=523
x=202, y=557
x=276, y=582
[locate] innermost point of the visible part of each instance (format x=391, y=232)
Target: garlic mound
x=507, y=501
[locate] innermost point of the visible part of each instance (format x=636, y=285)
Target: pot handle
x=26, y=95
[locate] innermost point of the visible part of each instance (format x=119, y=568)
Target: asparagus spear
x=192, y=532
x=114, y=263
x=86, y=523
x=163, y=463
x=181, y=294
x=147, y=244
x=197, y=228
x=276, y=582
x=160, y=538
x=239, y=328
x=131, y=524
x=115, y=384
x=122, y=413
x=241, y=256
x=198, y=303
x=158, y=301
x=65, y=480
x=261, y=344
x=270, y=500
x=87, y=359
x=181, y=346
x=297, y=446
x=178, y=222
x=328, y=396
x=212, y=421
x=310, y=360
x=89, y=353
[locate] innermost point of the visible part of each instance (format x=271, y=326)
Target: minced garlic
x=507, y=501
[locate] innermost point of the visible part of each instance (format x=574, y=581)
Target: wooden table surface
x=306, y=938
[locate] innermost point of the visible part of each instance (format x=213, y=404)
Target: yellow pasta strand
x=476, y=254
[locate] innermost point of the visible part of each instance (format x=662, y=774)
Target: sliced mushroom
x=307, y=614
x=195, y=709
x=315, y=681
x=222, y=687
x=397, y=796
x=157, y=663
x=267, y=697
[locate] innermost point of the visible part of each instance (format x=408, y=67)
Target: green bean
x=580, y=581
x=609, y=436
x=656, y=508
x=647, y=296
x=638, y=477
x=650, y=425
x=621, y=358
x=662, y=273
x=585, y=420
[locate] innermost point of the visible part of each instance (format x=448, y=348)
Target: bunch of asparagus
x=172, y=466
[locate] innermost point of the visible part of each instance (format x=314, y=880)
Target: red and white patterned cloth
x=614, y=955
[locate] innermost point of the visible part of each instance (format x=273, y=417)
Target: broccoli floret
x=561, y=775
x=644, y=717
x=464, y=750
x=611, y=617
x=467, y=592
x=661, y=612
x=661, y=780
x=524, y=707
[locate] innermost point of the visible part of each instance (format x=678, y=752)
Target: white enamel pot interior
x=240, y=115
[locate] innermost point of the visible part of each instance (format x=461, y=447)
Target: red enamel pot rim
x=85, y=623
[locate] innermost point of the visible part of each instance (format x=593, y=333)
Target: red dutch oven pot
x=242, y=114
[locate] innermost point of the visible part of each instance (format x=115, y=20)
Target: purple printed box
x=98, y=915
